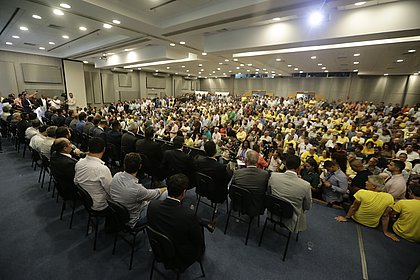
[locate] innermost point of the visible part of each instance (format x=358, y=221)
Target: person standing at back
x=290, y=187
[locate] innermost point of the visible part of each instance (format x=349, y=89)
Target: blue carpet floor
x=36, y=244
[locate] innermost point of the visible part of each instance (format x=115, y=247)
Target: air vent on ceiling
x=29, y=44
x=56, y=26
x=341, y=57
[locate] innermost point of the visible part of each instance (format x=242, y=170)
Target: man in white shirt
x=32, y=130
x=216, y=137
x=93, y=175
x=411, y=154
x=395, y=185
x=45, y=147
x=71, y=102
x=38, y=138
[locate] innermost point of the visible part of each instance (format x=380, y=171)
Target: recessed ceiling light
x=264, y=69
x=256, y=73
x=176, y=73
x=41, y=48
x=9, y=43
x=273, y=72
x=183, y=66
x=323, y=68
x=355, y=70
x=201, y=70
x=257, y=69
x=15, y=36
x=189, y=75
x=58, y=12
x=85, y=61
x=226, y=60
x=319, y=64
x=316, y=18
x=218, y=69
x=172, y=44
x=116, y=21
x=23, y=28
x=230, y=71
x=278, y=59
x=220, y=63
x=214, y=71
x=386, y=74
x=187, y=70
x=326, y=71
x=400, y=60
x=249, y=64
x=65, y=37
x=82, y=28
x=204, y=53
x=356, y=62
x=276, y=19
x=356, y=54
x=199, y=65
x=289, y=65
x=313, y=57
x=65, y=6
x=301, y=71
x=411, y=51
x=51, y=43
x=360, y=3
x=237, y=67
x=110, y=53
x=127, y=50
x=248, y=70
x=182, y=43
x=36, y=17
x=242, y=65
x=139, y=68
x=107, y=26
x=235, y=59
x=296, y=69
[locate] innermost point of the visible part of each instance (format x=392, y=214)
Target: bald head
x=357, y=165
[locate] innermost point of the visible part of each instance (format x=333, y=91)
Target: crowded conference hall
x=189, y=139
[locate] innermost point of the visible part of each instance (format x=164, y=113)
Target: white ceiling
x=222, y=28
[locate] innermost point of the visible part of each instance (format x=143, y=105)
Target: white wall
x=75, y=81
x=14, y=70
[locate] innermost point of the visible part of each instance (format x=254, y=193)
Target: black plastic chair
x=279, y=209
x=68, y=192
x=241, y=201
x=204, y=187
x=87, y=203
x=121, y=216
x=164, y=252
x=45, y=168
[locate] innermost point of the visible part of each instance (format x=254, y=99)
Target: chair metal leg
x=43, y=177
x=115, y=243
x=24, y=150
x=247, y=233
x=227, y=221
x=227, y=205
x=202, y=269
x=96, y=233
x=54, y=186
x=49, y=183
x=88, y=224
x=132, y=251
x=214, y=211
x=62, y=209
x=153, y=267
x=177, y=275
x=198, y=203
x=262, y=232
x=40, y=174
x=72, y=212
x=287, y=245
x=258, y=224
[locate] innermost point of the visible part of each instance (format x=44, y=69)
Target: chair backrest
x=279, y=207
x=67, y=190
x=45, y=161
x=204, y=185
x=146, y=165
x=163, y=248
x=120, y=215
x=242, y=201
x=85, y=197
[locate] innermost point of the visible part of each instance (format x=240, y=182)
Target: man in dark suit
x=176, y=161
x=178, y=223
x=99, y=130
x=150, y=149
x=62, y=166
x=129, y=139
x=252, y=178
x=214, y=169
x=88, y=125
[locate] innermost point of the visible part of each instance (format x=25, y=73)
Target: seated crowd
x=356, y=155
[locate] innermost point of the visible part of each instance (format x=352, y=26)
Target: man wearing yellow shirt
x=375, y=140
x=310, y=153
x=407, y=225
x=241, y=135
x=370, y=204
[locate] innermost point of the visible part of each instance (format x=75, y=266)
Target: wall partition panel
x=97, y=88
x=8, y=82
x=413, y=91
x=396, y=86
x=368, y=88
x=75, y=81
x=108, y=89
x=89, y=88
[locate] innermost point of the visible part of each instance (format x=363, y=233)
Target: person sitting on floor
x=369, y=204
x=407, y=224
x=335, y=184
x=126, y=190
